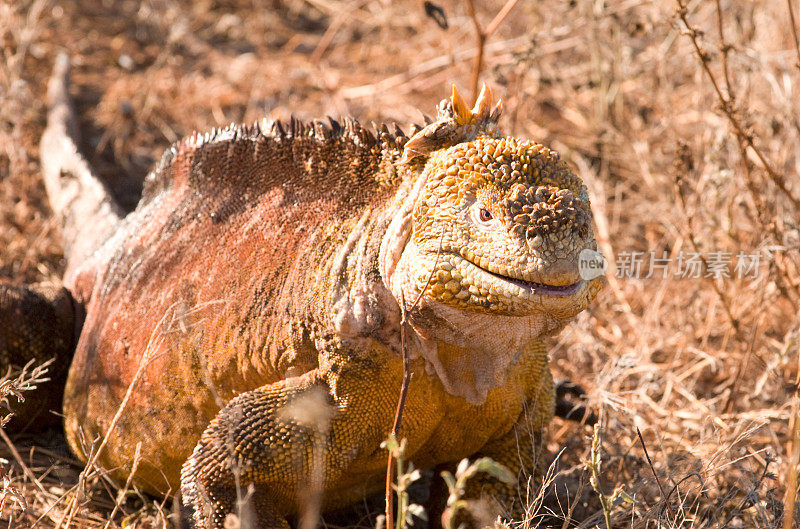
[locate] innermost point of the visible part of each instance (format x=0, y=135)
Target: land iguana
x=243, y=323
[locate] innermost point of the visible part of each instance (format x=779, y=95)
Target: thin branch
x=401, y=401
x=398, y=414
x=481, y=36
x=794, y=32
x=27, y=471
x=742, y=366
x=480, y=42
x=653, y=470
x=326, y=39
x=726, y=302
x=137, y=457
x=742, y=145
x=728, y=110
x=724, y=48
x=793, y=455
x=156, y=339
x=339, y=18
x=501, y=15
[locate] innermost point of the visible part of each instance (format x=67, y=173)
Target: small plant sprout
x=406, y=475
x=593, y=464
x=13, y=384
x=457, y=485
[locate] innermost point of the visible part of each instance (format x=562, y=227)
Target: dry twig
x=653, y=470
x=728, y=108
x=723, y=297
x=793, y=451
x=481, y=35
x=401, y=401
x=794, y=32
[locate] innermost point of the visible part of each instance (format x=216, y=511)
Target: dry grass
x=706, y=369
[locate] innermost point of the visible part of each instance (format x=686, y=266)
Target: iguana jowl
x=263, y=273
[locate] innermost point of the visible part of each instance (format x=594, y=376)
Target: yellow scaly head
x=501, y=222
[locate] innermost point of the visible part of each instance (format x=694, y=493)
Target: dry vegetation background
x=706, y=369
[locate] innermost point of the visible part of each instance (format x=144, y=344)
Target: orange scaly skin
x=245, y=318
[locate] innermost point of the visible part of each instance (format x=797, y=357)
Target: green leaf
x=413, y=476
x=417, y=510
x=390, y=443
x=620, y=494
x=449, y=480
x=495, y=469
x=462, y=468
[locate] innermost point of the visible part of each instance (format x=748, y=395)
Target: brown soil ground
x=705, y=368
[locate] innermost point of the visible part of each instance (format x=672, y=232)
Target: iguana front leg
x=283, y=445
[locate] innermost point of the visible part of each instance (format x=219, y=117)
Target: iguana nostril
x=542, y=194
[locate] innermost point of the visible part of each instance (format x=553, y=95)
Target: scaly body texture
x=243, y=323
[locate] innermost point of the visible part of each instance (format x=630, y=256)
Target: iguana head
x=483, y=253
x=500, y=222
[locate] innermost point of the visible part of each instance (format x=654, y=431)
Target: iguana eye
x=481, y=217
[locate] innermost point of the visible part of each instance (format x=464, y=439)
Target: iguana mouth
x=541, y=288
x=532, y=287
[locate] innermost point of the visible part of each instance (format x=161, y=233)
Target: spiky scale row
x=379, y=135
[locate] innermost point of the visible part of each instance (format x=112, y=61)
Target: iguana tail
x=43, y=321
x=85, y=208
